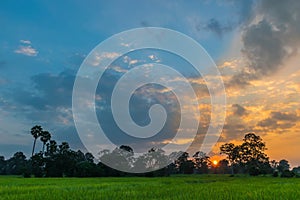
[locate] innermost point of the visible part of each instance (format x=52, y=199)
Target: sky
x=254, y=43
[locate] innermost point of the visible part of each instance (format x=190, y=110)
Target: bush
x=287, y=174
x=253, y=171
x=275, y=174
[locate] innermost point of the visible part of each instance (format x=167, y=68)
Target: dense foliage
x=59, y=160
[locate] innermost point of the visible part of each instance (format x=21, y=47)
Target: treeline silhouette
x=59, y=160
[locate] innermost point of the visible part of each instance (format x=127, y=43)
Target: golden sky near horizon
x=255, y=45
x=269, y=107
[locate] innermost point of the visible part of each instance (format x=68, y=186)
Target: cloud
x=26, y=50
x=268, y=123
x=239, y=110
x=51, y=91
x=133, y=62
x=279, y=120
x=240, y=14
x=268, y=39
x=234, y=130
x=292, y=117
x=97, y=57
x=263, y=46
x=49, y=104
x=213, y=25
x=118, y=69
x=25, y=41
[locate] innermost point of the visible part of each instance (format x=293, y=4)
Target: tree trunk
x=43, y=148
x=33, y=147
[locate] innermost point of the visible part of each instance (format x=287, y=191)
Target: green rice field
x=175, y=187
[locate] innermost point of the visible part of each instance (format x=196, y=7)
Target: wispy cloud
x=25, y=41
x=26, y=49
x=98, y=57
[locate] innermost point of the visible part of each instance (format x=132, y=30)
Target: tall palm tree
x=36, y=133
x=45, y=137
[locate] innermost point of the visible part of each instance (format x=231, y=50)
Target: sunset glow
x=255, y=46
x=215, y=162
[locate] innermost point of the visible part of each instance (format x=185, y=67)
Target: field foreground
x=178, y=187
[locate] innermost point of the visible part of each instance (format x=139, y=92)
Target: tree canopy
x=59, y=160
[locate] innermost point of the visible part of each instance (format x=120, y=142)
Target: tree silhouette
x=249, y=156
x=60, y=160
x=37, y=164
x=253, y=148
x=121, y=158
x=253, y=156
x=155, y=159
x=283, y=165
x=45, y=137
x=223, y=166
x=184, y=164
x=17, y=164
x=126, y=148
x=2, y=165
x=201, y=161
x=36, y=132
x=51, y=148
x=232, y=153
x=274, y=164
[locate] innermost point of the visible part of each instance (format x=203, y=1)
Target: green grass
x=176, y=187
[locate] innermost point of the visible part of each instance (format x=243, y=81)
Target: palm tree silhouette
x=45, y=137
x=36, y=133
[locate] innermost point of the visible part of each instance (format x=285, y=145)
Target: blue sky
x=43, y=43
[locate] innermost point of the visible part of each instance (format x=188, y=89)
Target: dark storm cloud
x=270, y=41
x=268, y=123
x=213, y=25
x=241, y=79
x=273, y=124
x=292, y=117
x=279, y=120
x=235, y=127
x=239, y=110
x=55, y=90
x=49, y=104
x=263, y=47
x=50, y=91
x=235, y=130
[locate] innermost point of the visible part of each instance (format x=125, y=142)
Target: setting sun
x=132, y=99
x=215, y=162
